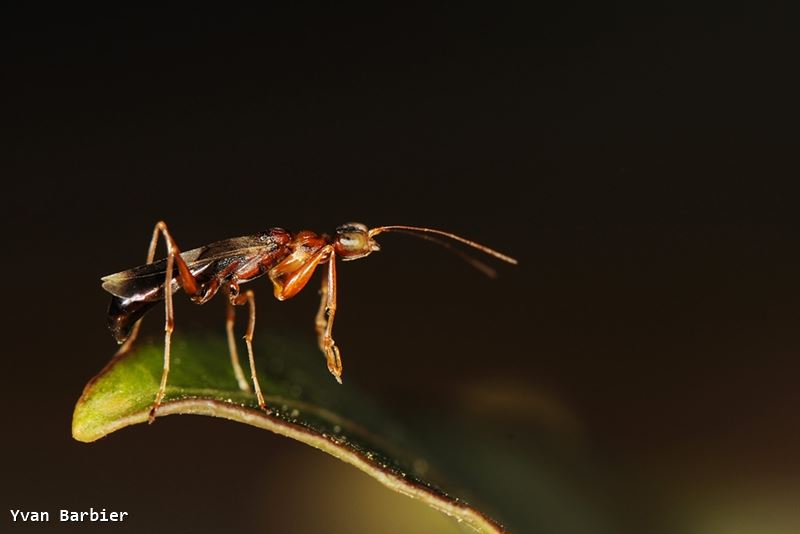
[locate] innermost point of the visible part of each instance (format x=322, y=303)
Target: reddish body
x=288, y=260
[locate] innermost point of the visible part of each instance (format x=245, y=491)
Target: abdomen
x=123, y=314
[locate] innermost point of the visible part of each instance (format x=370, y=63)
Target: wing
x=146, y=282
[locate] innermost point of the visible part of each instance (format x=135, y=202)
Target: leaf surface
x=305, y=404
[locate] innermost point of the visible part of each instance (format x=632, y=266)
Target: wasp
x=288, y=260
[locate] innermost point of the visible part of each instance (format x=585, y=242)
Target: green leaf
x=305, y=404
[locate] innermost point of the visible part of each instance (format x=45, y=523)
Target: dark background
x=635, y=161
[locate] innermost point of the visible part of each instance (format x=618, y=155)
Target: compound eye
x=353, y=241
x=353, y=237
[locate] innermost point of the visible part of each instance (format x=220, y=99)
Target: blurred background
x=641, y=361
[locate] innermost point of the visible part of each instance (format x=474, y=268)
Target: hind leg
x=190, y=286
x=159, y=229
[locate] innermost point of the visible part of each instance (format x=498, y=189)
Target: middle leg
x=249, y=298
x=329, y=347
x=237, y=368
x=321, y=321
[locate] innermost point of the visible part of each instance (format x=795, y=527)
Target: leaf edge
x=449, y=506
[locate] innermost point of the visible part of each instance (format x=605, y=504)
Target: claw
x=334, y=361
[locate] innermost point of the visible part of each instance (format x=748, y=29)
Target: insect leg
x=237, y=368
x=239, y=300
x=160, y=229
x=321, y=321
x=169, y=325
x=189, y=285
x=328, y=344
x=285, y=289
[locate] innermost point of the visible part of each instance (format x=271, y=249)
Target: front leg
x=321, y=320
x=290, y=278
x=327, y=343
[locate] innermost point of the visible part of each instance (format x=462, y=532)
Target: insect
x=289, y=260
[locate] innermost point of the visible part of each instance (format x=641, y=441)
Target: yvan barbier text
x=69, y=516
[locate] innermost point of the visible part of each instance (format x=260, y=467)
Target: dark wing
x=146, y=282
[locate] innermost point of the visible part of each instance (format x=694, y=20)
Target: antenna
x=473, y=244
